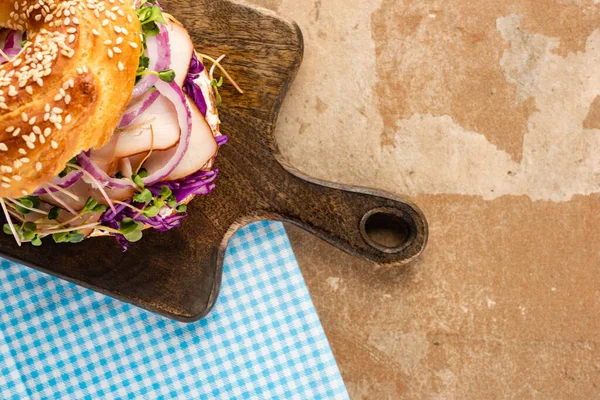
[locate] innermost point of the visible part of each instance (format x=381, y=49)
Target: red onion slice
x=86, y=163
x=175, y=95
x=12, y=43
x=158, y=49
x=64, y=183
x=137, y=108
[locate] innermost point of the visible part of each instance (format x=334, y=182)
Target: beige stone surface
x=486, y=113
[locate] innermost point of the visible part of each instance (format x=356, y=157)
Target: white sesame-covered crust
x=66, y=90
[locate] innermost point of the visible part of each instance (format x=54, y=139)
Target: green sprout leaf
x=54, y=212
x=132, y=230
x=216, y=85
x=134, y=236
x=137, y=180
x=36, y=241
x=29, y=227
x=27, y=235
x=151, y=211
x=144, y=197
x=167, y=75
x=28, y=201
x=172, y=203
x=6, y=229
x=68, y=237
x=128, y=225
x=91, y=205
x=165, y=192
x=65, y=171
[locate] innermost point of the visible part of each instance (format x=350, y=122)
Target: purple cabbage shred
x=199, y=183
x=192, y=88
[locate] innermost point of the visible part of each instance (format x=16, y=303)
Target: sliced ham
x=83, y=191
x=201, y=149
x=157, y=128
x=181, y=51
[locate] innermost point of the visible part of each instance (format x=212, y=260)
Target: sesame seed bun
x=67, y=89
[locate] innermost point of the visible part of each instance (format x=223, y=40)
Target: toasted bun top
x=66, y=90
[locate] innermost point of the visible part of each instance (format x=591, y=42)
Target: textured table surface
x=487, y=114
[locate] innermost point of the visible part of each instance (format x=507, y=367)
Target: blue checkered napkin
x=263, y=340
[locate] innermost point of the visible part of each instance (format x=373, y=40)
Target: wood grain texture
x=178, y=273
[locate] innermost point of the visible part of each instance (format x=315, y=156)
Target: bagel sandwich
x=108, y=120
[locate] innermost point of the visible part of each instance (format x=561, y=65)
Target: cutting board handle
x=371, y=224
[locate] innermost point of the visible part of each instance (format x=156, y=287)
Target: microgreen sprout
x=137, y=179
x=216, y=85
x=68, y=237
x=91, y=205
x=144, y=197
x=54, y=212
x=168, y=75
x=132, y=230
x=27, y=204
x=149, y=15
x=68, y=169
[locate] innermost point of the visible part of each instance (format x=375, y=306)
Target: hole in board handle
x=387, y=229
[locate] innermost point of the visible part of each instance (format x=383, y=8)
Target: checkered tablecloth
x=263, y=340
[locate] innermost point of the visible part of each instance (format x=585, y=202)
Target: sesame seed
x=3, y=147
x=38, y=166
x=22, y=151
x=133, y=44
x=5, y=185
x=121, y=66
x=54, y=144
x=16, y=177
x=30, y=145
x=24, y=192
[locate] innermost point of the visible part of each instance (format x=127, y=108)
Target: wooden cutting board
x=178, y=273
